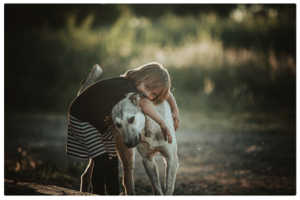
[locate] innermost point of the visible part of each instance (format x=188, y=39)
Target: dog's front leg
x=152, y=171
x=171, y=170
x=127, y=157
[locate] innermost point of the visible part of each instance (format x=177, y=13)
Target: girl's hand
x=175, y=116
x=166, y=133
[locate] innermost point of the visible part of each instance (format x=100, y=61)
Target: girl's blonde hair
x=155, y=76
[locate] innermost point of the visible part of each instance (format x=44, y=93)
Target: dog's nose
x=132, y=143
x=129, y=144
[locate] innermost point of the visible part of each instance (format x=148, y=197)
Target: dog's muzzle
x=132, y=143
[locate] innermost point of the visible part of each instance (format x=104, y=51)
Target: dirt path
x=213, y=160
x=232, y=163
x=24, y=188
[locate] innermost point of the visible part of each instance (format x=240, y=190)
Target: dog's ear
x=135, y=98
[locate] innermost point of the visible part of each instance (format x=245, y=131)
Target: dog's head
x=129, y=119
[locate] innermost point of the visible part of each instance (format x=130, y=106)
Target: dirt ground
x=219, y=154
x=24, y=188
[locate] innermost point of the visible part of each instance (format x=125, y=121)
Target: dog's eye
x=118, y=125
x=131, y=120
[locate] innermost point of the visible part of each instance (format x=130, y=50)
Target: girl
x=88, y=133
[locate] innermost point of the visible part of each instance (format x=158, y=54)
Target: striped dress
x=85, y=141
x=88, y=132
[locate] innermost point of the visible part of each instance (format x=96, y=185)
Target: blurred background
x=233, y=72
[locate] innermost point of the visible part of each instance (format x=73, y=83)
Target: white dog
x=132, y=128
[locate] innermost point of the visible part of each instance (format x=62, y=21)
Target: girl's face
x=151, y=94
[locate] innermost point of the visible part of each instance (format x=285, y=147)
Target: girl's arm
x=175, y=110
x=149, y=109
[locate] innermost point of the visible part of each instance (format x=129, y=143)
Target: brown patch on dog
x=135, y=98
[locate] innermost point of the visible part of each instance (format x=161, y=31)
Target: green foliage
x=230, y=59
x=280, y=39
x=247, y=88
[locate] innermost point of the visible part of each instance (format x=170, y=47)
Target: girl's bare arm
x=175, y=110
x=149, y=109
